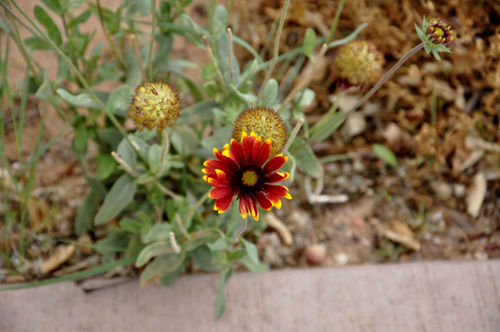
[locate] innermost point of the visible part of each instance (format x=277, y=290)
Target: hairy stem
x=386, y=76
x=241, y=230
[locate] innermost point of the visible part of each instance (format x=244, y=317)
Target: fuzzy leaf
x=117, y=199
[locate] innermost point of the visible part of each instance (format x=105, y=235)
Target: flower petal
x=264, y=202
x=247, y=145
x=276, y=177
x=243, y=207
x=264, y=152
x=277, y=190
x=275, y=163
x=221, y=192
x=222, y=204
x=256, y=150
x=216, y=164
x=237, y=152
x=275, y=199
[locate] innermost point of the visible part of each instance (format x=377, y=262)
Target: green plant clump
x=149, y=179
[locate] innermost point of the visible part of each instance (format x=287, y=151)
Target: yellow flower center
x=249, y=178
x=439, y=31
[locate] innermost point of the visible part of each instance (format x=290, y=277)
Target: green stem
x=328, y=114
x=293, y=135
x=108, y=37
x=242, y=229
x=386, y=76
x=165, y=147
x=75, y=71
x=195, y=207
x=150, y=61
x=276, y=52
x=335, y=20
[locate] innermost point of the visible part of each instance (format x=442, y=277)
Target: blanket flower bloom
x=264, y=122
x=245, y=171
x=155, y=105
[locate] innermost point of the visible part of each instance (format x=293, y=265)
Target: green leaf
x=83, y=99
x=81, y=136
x=154, y=158
x=306, y=159
x=144, y=218
x=309, y=42
x=4, y=26
x=184, y=139
x=208, y=260
x=82, y=18
x=326, y=127
x=75, y=44
x=307, y=98
x=85, y=215
x=201, y=237
x=146, y=177
x=220, y=244
x=45, y=20
x=109, y=71
x=62, y=72
x=251, y=250
x=158, y=232
x=197, y=113
x=131, y=226
x=45, y=90
x=270, y=93
x=161, y=266
x=221, y=137
x=141, y=146
x=117, y=199
x=220, y=302
x=119, y=100
x=385, y=155
x=252, y=266
x=144, y=7
x=153, y=250
x=106, y=165
x=126, y=153
x=37, y=44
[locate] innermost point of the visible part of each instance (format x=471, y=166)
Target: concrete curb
x=437, y=296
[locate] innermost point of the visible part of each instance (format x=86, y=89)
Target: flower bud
x=439, y=32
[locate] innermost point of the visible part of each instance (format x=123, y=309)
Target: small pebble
x=315, y=254
x=341, y=258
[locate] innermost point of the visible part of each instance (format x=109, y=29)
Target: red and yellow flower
x=243, y=170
